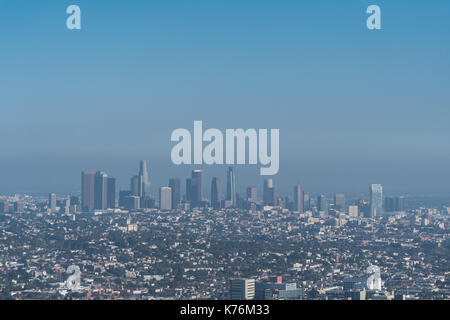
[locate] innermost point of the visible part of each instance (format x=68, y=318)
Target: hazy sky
x=353, y=106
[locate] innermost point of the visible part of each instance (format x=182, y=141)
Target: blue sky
x=353, y=106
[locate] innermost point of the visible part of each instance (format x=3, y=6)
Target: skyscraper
x=298, y=198
x=137, y=186
x=216, y=193
x=339, y=201
x=52, y=202
x=268, y=193
x=87, y=190
x=306, y=201
x=231, y=186
x=196, y=188
x=111, y=193
x=165, y=198
x=188, y=189
x=100, y=190
x=143, y=174
x=322, y=204
x=175, y=185
x=376, y=200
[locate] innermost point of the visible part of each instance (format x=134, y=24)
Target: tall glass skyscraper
x=216, y=193
x=196, y=188
x=231, y=186
x=87, y=190
x=298, y=198
x=376, y=200
x=175, y=185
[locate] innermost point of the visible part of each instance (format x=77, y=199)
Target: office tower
x=252, y=194
x=376, y=200
x=111, y=193
x=306, y=201
x=100, y=190
x=52, y=202
x=353, y=211
x=268, y=193
x=298, y=199
x=242, y=289
x=196, y=188
x=145, y=182
x=339, y=201
x=188, y=189
x=4, y=206
x=175, y=184
x=132, y=202
x=137, y=186
x=231, y=186
x=216, y=193
x=165, y=198
x=322, y=204
x=147, y=202
x=122, y=197
x=394, y=204
x=87, y=190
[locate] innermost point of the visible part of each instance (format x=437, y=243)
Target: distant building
x=196, y=188
x=175, y=185
x=100, y=190
x=18, y=207
x=268, y=193
x=216, y=193
x=4, y=206
x=242, y=289
x=231, y=186
x=353, y=211
x=52, y=202
x=111, y=193
x=298, y=199
x=165, y=198
x=252, y=194
x=306, y=201
x=394, y=204
x=322, y=204
x=132, y=202
x=339, y=201
x=376, y=200
x=87, y=190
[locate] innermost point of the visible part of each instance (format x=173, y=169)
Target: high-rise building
x=306, y=201
x=87, y=190
x=242, y=289
x=137, y=186
x=376, y=200
x=252, y=194
x=394, y=204
x=322, y=204
x=165, y=198
x=143, y=174
x=268, y=193
x=298, y=199
x=216, y=193
x=196, y=188
x=52, y=202
x=339, y=201
x=175, y=185
x=188, y=189
x=353, y=211
x=231, y=186
x=18, y=207
x=111, y=193
x=100, y=190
